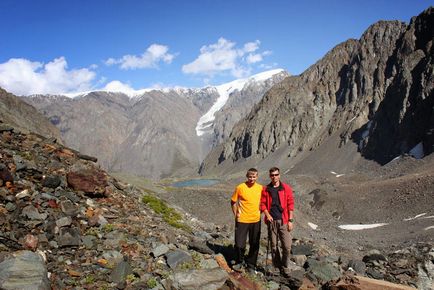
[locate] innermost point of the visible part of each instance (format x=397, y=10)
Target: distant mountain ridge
x=376, y=93
x=153, y=133
x=14, y=112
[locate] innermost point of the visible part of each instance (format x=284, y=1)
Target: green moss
x=89, y=279
x=172, y=217
x=108, y=228
x=151, y=283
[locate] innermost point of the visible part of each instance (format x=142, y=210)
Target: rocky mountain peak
x=368, y=91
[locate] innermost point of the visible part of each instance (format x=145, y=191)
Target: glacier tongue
x=205, y=123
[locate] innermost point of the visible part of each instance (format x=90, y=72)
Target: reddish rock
x=30, y=242
x=365, y=283
x=90, y=181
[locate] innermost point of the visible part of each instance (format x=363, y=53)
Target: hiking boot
x=239, y=267
x=251, y=271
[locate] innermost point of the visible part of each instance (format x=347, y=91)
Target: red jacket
x=286, y=198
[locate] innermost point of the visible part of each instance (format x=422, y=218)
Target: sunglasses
x=276, y=174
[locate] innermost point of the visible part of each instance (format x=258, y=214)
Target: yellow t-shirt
x=248, y=202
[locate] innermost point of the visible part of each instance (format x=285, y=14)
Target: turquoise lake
x=196, y=182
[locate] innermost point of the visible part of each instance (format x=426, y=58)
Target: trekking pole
x=268, y=251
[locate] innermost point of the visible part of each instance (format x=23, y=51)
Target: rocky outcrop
x=19, y=114
x=376, y=92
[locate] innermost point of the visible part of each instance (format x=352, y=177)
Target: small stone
x=68, y=208
x=51, y=181
x=121, y=271
x=88, y=241
x=30, y=242
x=10, y=206
x=63, y=222
x=69, y=237
x=22, y=194
x=178, y=257
x=160, y=250
x=299, y=259
x=32, y=213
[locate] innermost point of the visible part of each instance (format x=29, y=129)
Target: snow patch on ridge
x=205, y=123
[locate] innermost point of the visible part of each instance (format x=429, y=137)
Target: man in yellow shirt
x=245, y=206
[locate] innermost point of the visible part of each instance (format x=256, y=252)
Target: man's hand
x=290, y=226
x=269, y=217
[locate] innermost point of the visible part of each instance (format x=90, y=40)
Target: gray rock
x=322, y=270
x=160, y=250
x=374, y=274
x=426, y=276
x=200, y=247
x=358, y=266
x=63, y=222
x=113, y=257
x=302, y=250
x=295, y=279
x=88, y=241
x=10, y=206
x=25, y=271
x=177, y=257
x=299, y=259
x=121, y=271
x=32, y=213
x=208, y=264
x=51, y=181
x=69, y=237
x=208, y=279
x=68, y=208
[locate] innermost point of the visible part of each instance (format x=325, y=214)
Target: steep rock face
x=375, y=83
x=239, y=105
x=405, y=117
x=15, y=112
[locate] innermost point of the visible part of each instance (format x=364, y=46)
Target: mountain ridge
x=334, y=98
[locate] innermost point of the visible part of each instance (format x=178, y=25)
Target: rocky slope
x=22, y=116
x=376, y=93
x=67, y=224
x=152, y=134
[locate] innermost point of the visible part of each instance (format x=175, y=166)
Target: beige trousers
x=280, y=236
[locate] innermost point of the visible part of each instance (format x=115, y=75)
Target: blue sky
x=67, y=46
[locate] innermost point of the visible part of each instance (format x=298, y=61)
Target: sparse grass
x=131, y=278
x=151, y=283
x=107, y=228
x=89, y=279
x=172, y=217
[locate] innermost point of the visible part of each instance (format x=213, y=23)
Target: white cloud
x=153, y=55
x=24, y=77
x=253, y=58
x=224, y=57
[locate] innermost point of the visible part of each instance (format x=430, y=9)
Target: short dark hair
x=252, y=170
x=272, y=169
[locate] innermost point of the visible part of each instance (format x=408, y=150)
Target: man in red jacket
x=277, y=203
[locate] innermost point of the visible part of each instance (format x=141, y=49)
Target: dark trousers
x=253, y=230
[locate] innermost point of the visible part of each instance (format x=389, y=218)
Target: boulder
x=25, y=270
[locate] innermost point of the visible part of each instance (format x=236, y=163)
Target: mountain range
x=153, y=133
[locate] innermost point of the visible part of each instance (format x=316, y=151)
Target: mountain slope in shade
x=153, y=133
x=374, y=95
x=19, y=114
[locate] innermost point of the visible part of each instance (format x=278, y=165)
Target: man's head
x=274, y=175
x=252, y=175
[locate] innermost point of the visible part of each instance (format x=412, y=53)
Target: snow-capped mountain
x=153, y=132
